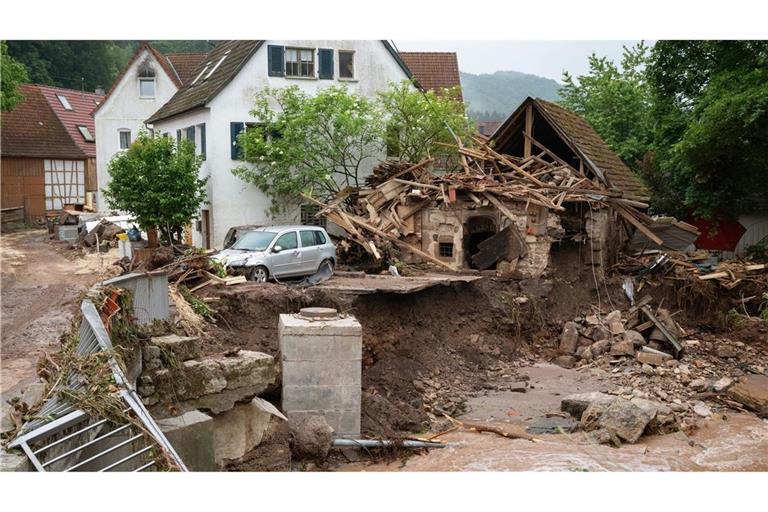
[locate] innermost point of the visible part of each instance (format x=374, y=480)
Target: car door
x=310, y=251
x=287, y=262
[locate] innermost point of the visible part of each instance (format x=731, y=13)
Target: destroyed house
x=562, y=154
x=544, y=191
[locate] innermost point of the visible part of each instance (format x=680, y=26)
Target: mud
x=41, y=284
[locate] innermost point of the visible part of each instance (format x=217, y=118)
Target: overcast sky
x=543, y=58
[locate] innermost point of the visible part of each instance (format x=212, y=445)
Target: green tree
x=616, y=101
x=157, y=181
x=711, y=137
x=420, y=123
x=314, y=144
x=12, y=73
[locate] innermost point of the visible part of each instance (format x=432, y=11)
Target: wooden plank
x=639, y=225
x=528, y=129
x=714, y=275
x=668, y=335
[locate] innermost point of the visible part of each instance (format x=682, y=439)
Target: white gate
x=64, y=183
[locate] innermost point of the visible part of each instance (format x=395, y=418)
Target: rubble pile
x=383, y=212
x=647, y=336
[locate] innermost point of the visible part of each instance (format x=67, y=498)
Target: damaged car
x=273, y=252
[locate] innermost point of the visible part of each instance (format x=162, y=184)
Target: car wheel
x=258, y=274
x=328, y=262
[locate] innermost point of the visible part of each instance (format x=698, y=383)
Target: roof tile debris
x=434, y=71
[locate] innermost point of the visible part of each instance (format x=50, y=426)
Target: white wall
x=232, y=201
x=124, y=109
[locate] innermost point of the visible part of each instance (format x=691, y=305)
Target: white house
x=215, y=104
x=145, y=84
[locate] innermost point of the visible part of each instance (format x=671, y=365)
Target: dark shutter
x=325, y=56
x=276, y=58
x=202, y=141
x=234, y=131
x=178, y=138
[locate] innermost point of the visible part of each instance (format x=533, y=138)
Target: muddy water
x=737, y=442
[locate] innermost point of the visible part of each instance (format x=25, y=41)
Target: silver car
x=279, y=251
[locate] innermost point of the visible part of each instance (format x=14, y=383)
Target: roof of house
x=32, y=129
x=198, y=94
x=586, y=143
x=435, y=71
x=82, y=104
x=186, y=63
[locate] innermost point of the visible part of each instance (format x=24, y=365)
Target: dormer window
x=64, y=102
x=146, y=87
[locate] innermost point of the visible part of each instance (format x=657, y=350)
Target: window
x=125, y=139
x=308, y=238
x=288, y=241
x=86, y=133
x=445, y=250
x=307, y=216
x=300, y=62
x=146, y=87
x=236, y=152
x=64, y=102
x=320, y=237
x=346, y=64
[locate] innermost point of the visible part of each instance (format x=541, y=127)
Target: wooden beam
x=528, y=130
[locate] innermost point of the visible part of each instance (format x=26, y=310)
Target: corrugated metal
x=756, y=229
x=150, y=294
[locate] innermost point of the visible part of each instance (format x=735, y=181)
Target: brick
x=651, y=358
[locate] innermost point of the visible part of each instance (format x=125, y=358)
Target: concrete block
x=238, y=431
x=191, y=435
x=301, y=398
x=294, y=347
x=322, y=373
x=295, y=325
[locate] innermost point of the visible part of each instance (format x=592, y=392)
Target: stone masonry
x=322, y=369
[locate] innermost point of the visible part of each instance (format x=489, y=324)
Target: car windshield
x=254, y=241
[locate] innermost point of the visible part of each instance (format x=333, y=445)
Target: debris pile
x=651, y=337
x=383, y=213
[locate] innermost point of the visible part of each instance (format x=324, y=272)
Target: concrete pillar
x=321, y=354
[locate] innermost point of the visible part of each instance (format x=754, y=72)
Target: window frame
x=445, y=245
x=65, y=102
x=120, y=133
x=154, y=87
x=286, y=233
x=354, y=68
x=86, y=133
x=299, y=49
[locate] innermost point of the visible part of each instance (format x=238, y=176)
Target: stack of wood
x=196, y=271
x=396, y=191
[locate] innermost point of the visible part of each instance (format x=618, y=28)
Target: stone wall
x=175, y=380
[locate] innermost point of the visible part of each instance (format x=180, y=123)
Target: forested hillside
x=491, y=97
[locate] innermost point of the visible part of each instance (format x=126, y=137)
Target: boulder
x=241, y=429
x=569, y=339
x=565, y=361
x=311, y=438
x=663, y=420
x=599, y=332
x=601, y=347
x=752, y=392
x=576, y=404
x=625, y=419
x=623, y=348
x=635, y=337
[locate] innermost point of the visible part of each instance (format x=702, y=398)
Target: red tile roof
x=185, y=64
x=82, y=104
x=32, y=129
x=434, y=71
